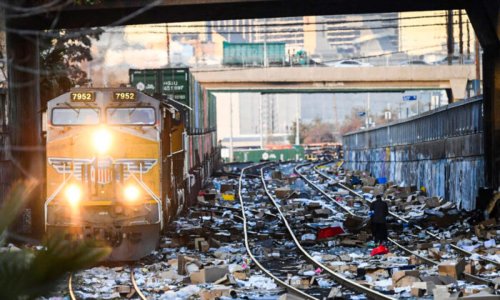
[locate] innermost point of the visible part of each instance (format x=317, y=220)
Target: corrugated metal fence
x=441, y=150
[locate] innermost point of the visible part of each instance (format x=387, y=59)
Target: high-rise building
x=425, y=33
x=325, y=37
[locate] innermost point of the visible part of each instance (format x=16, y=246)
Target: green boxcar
x=295, y=153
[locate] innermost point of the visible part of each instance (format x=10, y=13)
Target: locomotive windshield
x=131, y=116
x=75, y=116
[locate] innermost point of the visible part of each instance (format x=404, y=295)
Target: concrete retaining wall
x=451, y=167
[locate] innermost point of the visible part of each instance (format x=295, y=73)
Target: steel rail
x=247, y=244
x=136, y=287
x=70, y=287
x=345, y=209
x=468, y=276
x=132, y=279
x=349, y=284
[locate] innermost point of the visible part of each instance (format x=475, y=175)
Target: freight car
x=116, y=168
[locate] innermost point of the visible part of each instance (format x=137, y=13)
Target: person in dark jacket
x=379, y=211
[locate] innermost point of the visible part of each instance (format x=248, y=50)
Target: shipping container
x=169, y=82
x=253, y=53
x=256, y=155
x=179, y=85
x=175, y=84
x=146, y=81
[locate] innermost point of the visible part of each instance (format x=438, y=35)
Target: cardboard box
x=418, y=287
x=453, y=269
x=405, y=278
x=482, y=296
x=226, y=188
x=432, y=202
x=282, y=193
x=276, y=175
x=209, y=274
x=215, y=292
x=368, y=181
x=321, y=213
x=367, y=189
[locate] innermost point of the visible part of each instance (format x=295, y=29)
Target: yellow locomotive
x=107, y=169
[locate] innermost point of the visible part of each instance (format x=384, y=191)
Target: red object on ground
x=379, y=250
x=328, y=232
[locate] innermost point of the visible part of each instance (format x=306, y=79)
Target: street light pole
x=297, y=118
x=231, y=127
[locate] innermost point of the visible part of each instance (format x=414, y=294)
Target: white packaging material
x=191, y=268
x=308, y=237
x=258, y=281
x=490, y=243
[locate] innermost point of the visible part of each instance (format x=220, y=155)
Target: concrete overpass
x=340, y=79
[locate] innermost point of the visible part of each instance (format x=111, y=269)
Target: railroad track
x=279, y=281
x=467, y=276
x=134, y=285
x=339, y=278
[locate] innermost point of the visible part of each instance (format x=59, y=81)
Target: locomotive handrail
x=151, y=193
x=53, y=196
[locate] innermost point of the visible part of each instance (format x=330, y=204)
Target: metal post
x=265, y=44
x=297, y=121
x=168, y=45
x=418, y=102
x=449, y=32
x=231, y=127
x=261, y=123
x=478, y=66
x=367, y=119
x=460, y=37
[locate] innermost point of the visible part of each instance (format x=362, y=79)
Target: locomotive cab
x=104, y=169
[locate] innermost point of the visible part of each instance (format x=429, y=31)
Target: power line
x=84, y=31
x=284, y=30
x=301, y=23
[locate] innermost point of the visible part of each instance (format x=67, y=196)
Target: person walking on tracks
x=378, y=212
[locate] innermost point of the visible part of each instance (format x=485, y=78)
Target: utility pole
x=297, y=120
x=261, y=123
x=168, y=44
x=478, y=66
x=449, y=33
x=367, y=119
x=335, y=114
x=460, y=37
x=231, y=127
x=265, y=44
x=468, y=39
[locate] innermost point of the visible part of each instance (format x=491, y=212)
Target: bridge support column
x=491, y=85
x=25, y=120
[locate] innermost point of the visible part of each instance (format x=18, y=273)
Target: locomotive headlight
x=131, y=193
x=102, y=140
x=73, y=194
